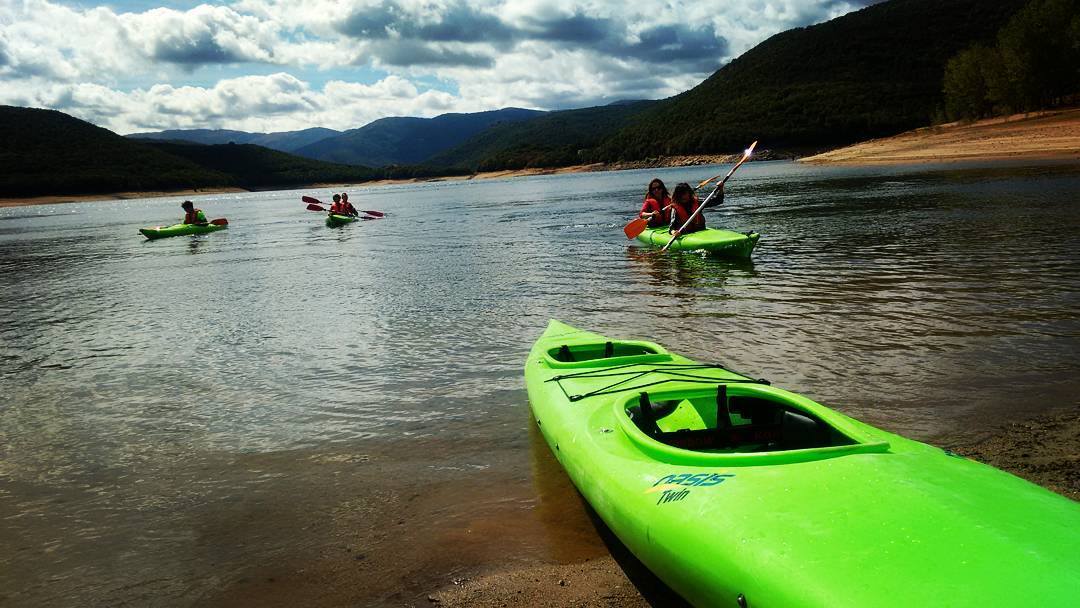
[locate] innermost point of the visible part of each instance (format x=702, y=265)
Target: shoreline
x=1052, y=135
x=1038, y=137
x=1044, y=450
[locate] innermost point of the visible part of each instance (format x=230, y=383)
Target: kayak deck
x=724, y=485
x=723, y=243
x=334, y=219
x=158, y=232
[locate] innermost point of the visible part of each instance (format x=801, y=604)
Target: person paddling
x=657, y=200
x=347, y=206
x=193, y=215
x=684, y=204
x=336, y=208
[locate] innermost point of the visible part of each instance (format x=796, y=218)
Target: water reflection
x=685, y=269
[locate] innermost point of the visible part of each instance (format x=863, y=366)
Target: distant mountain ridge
x=409, y=141
x=46, y=152
x=284, y=141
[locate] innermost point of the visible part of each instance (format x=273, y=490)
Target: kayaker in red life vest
x=193, y=215
x=336, y=208
x=656, y=203
x=347, y=206
x=684, y=203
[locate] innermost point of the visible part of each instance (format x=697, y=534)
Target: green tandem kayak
x=718, y=242
x=737, y=493
x=334, y=219
x=180, y=230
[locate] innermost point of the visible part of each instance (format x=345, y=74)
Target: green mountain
x=283, y=141
x=871, y=73
x=552, y=139
x=407, y=141
x=48, y=152
x=255, y=167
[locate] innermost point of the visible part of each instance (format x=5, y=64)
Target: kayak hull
x=722, y=243
x=160, y=232
x=334, y=219
x=857, y=517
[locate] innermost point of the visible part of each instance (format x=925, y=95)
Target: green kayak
x=737, y=493
x=159, y=232
x=334, y=219
x=725, y=243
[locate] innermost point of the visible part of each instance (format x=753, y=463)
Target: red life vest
x=192, y=217
x=651, y=205
x=681, y=215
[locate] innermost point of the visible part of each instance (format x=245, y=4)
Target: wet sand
x=1053, y=135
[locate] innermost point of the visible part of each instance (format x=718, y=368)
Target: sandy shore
x=115, y=196
x=1036, y=136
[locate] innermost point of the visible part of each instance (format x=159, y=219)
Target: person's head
x=657, y=189
x=337, y=198
x=188, y=205
x=683, y=193
x=344, y=196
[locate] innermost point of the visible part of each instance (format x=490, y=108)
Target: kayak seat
x=742, y=424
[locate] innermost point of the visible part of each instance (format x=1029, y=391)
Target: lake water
x=181, y=417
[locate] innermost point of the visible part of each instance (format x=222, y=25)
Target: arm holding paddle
x=719, y=188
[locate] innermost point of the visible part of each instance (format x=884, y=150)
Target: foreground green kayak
x=334, y=219
x=180, y=230
x=717, y=242
x=736, y=493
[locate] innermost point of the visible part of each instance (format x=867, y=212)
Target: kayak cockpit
x=608, y=353
x=735, y=420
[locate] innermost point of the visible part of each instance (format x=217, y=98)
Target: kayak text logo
x=674, y=488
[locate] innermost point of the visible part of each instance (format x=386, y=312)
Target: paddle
x=314, y=202
x=637, y=226
x=220, y=221
x=746, y=155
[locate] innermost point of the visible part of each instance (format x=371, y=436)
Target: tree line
x=1035, y=64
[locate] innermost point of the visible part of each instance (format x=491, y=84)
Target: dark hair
x=682, y=189
x=187, y=204
x=337, y=197
x=663, y=188
x=344, y=195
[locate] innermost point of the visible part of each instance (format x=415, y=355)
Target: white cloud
x=168, y=68
x=277, y=102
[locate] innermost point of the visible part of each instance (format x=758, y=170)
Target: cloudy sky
x=282, y=65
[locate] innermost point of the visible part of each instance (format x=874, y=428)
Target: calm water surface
x=930, y=301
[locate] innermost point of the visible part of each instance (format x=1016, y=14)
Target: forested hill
x=874, y=72
x=45, y=152
x=553, y=139
x=407, y=141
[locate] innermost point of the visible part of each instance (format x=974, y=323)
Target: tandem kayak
x=725, y=243
x=159, y=232
x=334, y=219
x=737, y=493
